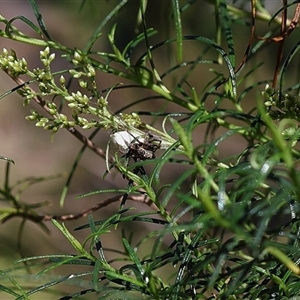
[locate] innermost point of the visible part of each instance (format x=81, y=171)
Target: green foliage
x=228, y=225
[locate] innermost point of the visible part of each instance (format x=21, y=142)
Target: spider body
x=139, y=147
x=145, y=149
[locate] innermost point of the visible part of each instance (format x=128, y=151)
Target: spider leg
x=137, y=170
x=129, y=185
x=125, y=195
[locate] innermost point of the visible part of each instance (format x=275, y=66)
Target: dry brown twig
x=69, y=217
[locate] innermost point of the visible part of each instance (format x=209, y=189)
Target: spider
x=144, y=150
x=138, y=147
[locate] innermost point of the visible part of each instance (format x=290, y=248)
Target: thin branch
x=43, y=218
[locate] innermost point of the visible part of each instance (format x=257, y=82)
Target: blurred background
x=38, y=153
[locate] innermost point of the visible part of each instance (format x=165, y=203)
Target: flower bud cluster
x=85, y=111
x=11, y=64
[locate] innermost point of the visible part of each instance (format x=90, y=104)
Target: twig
x=43, y=218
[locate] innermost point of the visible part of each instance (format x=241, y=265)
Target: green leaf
x=74, y=242
x=39, y=18
x=98, y=31
x=9, y=30
x=134, y=257
x=184, y=137
x=111, y=38
x=7, y=159
x=178, y=26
